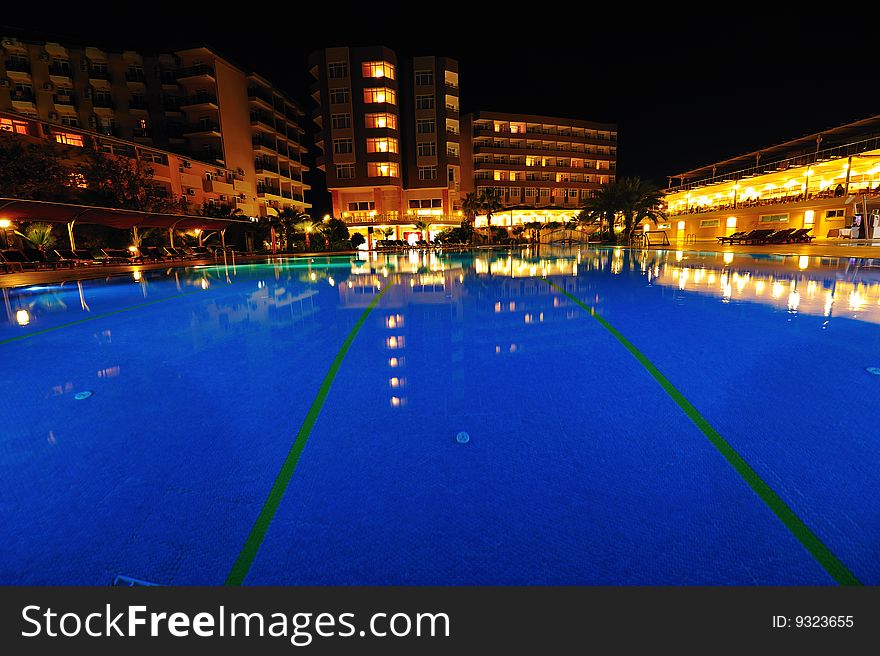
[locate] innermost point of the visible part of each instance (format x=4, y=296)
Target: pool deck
x=817, y=249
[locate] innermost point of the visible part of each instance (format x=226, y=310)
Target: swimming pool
x=633, y=418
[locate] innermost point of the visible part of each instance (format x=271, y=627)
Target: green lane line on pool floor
x=838, y=571
x=70, y=324
x=252, y=545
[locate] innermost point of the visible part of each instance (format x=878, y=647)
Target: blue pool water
x=580, y=468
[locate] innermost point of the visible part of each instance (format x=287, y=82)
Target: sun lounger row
x=769, y=236
x=28, y=259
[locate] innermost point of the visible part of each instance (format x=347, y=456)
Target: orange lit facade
x=200, y=183
x=191, y=102
x=390, y=138
x=822, y=181
x=545, y=168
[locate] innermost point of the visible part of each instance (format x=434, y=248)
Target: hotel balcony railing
x=194, y=71
x=260, y=94
x=204, y=126
x=138, y=104
x=171, y=104
x=64, y=99
x=264, y=118
x=209, y=155
x=266, y=143
x=99, y=74
x=18, y=65
x=451, y=108
x=59, y=70
x=23, y=96
x=840, y=152
x=198, y=99
x=107, y=103
x=859, y=188
x=135, y=76
x=286, y=194
x=169, y=78
x=107, y=130
x=143, y=133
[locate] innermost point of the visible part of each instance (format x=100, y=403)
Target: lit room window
x=382, y=170
x=382, y=145
x=378, y=69
x=531, y=191
x=426, y=149
x=380, y=95
x=69, y=139
x=424, y=78
x=361, y=206
x=381, y=121
x=345, y=171
x=425, y=102
x=339, y=96
x=13, y=125
x=338, y=70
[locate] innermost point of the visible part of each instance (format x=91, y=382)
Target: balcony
x=22, y=96
x=138, y=104
x=269, y=144
x=18, y=65
x=257, y=94
x=63, y=99
x=263, y=118
x=451, y=108
x=98, y=73
x=143, y=133
x=201, y=70
x=136, y=76
x=202, y=128
x=171, y=104
x=102, y=101
x=168, y=78
x=60, y=70
x=210, y=155
x=198, y=100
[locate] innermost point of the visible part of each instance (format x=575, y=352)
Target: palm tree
x=639, y=200
x=40, y=235
x=470, y=206
x=304, y=224
x=602, y=206
x=489, y=202
x=424, y=227
x=290, y=218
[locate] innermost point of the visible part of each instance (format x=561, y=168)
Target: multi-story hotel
x=192, y=102
x=824, y=181
x=390, y=136
x=545, y=168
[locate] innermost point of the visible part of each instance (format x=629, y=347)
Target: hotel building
x=823, y=181
x=390, y=138
x=191, y=102
x=545, y=168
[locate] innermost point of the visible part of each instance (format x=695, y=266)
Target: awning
x=39, y=210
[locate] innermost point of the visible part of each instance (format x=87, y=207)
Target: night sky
x=683, y=94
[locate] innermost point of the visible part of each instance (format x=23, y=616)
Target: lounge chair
x=73, y=257
x=200, y=252
x=729, y=239
x=32, y=259
x=756, y=237
x=801, y=235
x=176, y=253
x=120, y=256
x=780, y=236
x=10, y=267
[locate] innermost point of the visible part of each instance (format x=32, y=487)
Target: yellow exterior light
x=809, y=217
x=133, y=249
x=731, y=222
x=5, y=223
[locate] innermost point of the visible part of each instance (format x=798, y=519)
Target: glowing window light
x=809, y=217
x=731, y=222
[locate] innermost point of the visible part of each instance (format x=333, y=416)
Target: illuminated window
x=426, y=149
x=710, y=223
x=340, y=121
x=773, y=218
x=378, y=69
x=426, y=203
x=380, y=95
x=339, y=96
x=425, y=102
x=342, y=146
x=381, y=121
x=382, y=145
x=338, y=70
x=362, y=206
x=345, y=171
x=13, y=125
x=382, y=170
x=425, y=78
x=69, y=139
x=426, y=126
x=427, y=173
x=834, y=214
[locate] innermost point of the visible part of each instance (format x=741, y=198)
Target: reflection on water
x=284, y=292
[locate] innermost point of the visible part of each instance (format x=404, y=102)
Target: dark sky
x=683, y=93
